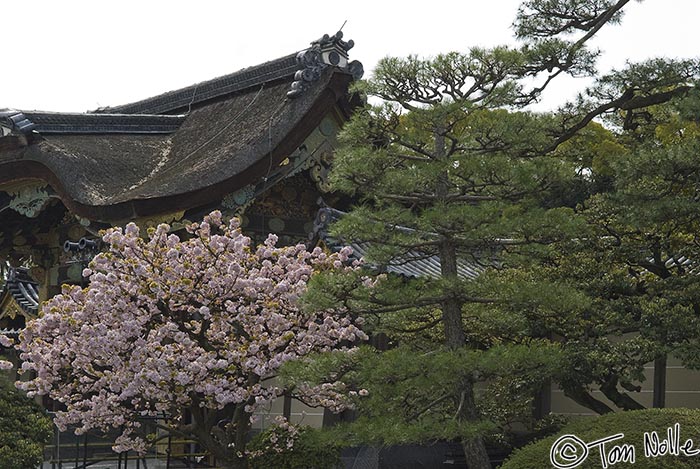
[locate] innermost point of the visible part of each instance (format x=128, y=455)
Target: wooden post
x=660, y=382
x=287, y=406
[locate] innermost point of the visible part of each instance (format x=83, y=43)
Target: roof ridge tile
x=193, y=94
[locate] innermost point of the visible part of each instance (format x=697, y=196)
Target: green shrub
x=24, y=430
x=312, y=449
x=633, y=425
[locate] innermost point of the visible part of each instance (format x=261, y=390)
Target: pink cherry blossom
x=5, y=342
x=167, y=324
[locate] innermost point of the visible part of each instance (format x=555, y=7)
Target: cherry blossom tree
x=5, y=342
x=169, y=325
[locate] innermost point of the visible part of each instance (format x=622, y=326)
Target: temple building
x=256, y=143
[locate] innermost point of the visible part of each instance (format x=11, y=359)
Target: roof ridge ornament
x=328, y=51
x=14, y=122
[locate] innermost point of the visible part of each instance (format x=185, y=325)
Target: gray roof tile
x=23, y=288
x=415, y=264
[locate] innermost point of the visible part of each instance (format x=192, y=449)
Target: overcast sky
x=75, y=55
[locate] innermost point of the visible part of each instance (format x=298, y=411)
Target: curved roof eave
x=82, y=181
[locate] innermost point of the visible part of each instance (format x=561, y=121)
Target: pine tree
x=636, y=259
x=450, y=165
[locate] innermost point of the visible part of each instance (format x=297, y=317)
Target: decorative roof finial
x=12, y=121
x=328, y=51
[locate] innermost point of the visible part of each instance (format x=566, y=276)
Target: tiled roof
x=20, y=285
x=415, y=264
x=183, y=98
x=304, y=66
x=51, y=123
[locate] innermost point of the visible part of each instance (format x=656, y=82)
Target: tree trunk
x=241, y=420
x=474, y=448
x=225, y=457
x=579, y=395
x=620, y=399
x=223, y=443
x=455, y=337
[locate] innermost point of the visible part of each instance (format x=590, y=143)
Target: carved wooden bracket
x=29, y=200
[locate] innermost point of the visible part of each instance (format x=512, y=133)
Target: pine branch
x=425, y=409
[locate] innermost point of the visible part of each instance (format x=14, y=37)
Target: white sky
x=77, y=55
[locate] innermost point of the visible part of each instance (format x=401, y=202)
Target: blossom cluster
x=280, y=438
x=5, y=342
x=169, y=323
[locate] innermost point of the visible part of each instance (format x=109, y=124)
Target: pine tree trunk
x=474, y=448
x=455, y=337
